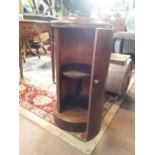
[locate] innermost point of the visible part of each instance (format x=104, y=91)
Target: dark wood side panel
x=100, y=65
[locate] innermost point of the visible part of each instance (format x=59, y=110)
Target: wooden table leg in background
x=52, y=54
x=20, y=64
x=53, y=67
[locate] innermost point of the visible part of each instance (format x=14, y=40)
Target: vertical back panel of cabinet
x=100, y=65
x=76, y=45
x=57, y=56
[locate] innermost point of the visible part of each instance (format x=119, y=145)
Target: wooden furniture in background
x=39, y=41
x=82, y=49
x=30, y=29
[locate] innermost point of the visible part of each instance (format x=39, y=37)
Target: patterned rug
x=42, y=103
x=37, y=99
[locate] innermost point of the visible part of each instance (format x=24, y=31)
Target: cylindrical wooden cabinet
x=82, y=51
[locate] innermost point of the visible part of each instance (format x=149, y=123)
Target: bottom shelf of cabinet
x=73, y=116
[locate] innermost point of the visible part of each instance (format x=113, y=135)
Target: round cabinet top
x=80, y=22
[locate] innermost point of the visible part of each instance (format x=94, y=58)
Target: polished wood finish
x=79, y=22
x=100, y=65
x=82, y=50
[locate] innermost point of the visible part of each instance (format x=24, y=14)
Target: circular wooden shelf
x=76, y=71
x=73, y=117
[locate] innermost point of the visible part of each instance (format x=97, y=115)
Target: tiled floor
x=117, y=140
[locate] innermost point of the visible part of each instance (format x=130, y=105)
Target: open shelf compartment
x=76, y=71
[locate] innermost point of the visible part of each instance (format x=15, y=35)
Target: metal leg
x=44, y=49
x=37, y=50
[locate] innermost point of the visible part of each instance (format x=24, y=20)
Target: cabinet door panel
x=100, y=65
